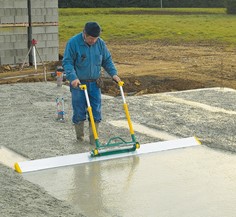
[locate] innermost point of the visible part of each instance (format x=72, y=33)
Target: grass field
x=183, y=25
x=158, y=50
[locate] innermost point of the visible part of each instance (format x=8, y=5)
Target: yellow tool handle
x=92, y=123
x=121, y=83
x=128, y=118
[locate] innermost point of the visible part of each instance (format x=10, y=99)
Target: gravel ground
x=28, y=126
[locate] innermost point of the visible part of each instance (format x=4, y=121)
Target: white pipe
x=122, y=94
x=87, y=98
x=35, y=62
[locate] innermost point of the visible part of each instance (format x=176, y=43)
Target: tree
x=142, y=3
x=231, y=6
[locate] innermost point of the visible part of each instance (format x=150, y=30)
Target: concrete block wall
x=47, y=42
x=13, y=12
x=44, y=16
x=16, y=32
x=13, y=44
x=13, y=37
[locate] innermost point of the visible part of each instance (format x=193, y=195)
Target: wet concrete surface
x=187, y=182
x=195, y=181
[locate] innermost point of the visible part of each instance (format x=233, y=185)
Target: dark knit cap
x=92, y=28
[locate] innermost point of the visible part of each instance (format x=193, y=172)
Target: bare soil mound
x=153, y=67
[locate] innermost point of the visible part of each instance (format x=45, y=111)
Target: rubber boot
x=79, y=130
x=91, y=136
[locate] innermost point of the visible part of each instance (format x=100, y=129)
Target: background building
x=24, y=20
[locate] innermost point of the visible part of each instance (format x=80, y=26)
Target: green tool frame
x=111, y=147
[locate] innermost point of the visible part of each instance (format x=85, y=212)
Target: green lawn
x=138, y=24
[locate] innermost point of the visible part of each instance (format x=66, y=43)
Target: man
x=85, y=54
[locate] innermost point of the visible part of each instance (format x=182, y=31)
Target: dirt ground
x=154, y=67
x=145, y=68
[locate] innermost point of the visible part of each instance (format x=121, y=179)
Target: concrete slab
x=195, y=181
x=28, y=126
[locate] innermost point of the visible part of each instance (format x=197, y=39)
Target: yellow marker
x=121, y=83
x=198, y=141
x=83, y=86
x=95, y=151
x=17, y=168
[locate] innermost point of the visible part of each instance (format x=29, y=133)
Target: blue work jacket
x=84, y=62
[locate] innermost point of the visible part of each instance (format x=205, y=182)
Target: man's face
x=89, y=39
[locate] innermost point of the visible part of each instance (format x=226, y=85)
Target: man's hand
x=116, y=78
x=75, y=83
